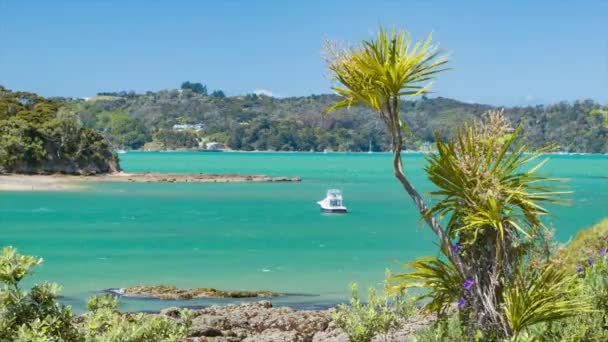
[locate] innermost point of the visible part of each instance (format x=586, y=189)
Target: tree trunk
x=397, y=142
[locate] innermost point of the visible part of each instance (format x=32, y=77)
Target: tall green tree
x=379, y=73
x=490, y=205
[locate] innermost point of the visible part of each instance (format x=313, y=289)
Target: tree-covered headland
x=40, y=135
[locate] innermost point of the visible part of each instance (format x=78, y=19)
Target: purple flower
x=468, y=284
x=579, y=269
x=455, y=248
x=591, y=262
x=462, y=303
x=603, y=251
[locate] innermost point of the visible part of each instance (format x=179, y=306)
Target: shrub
x=36, y=315
x=589, y=326
x=106, y=301
x=585, y=244
x=379, y=316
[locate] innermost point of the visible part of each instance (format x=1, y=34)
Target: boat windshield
x=334, y=193
x=335, y=203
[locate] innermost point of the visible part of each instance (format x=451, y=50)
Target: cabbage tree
x=379, y=73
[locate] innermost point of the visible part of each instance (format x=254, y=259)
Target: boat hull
x=333, y=211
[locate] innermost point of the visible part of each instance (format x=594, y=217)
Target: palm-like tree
x=380, y=72
x=491, y=205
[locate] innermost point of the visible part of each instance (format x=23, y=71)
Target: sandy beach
x=61, y=182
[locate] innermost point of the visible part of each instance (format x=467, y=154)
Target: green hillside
x=257, y=122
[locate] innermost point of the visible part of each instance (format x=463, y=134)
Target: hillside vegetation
x=258, y=122
x=39, y=135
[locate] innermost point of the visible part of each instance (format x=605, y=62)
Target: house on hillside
x=187, y=127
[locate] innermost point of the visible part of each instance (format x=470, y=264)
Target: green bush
x=379, y=316
x=586, y=243
x=36, y=315
x=590, y=326
x=31, y=315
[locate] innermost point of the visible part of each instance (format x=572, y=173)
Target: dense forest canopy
x=259, y=122
x=39, y=135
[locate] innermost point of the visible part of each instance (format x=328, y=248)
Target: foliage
x=172, y=140
x=540, y=296
x=103, y=323
x=585, y=244
x=40, y=135
x=36, y=315
x=218, y=93
x=483, y=186
x=362, y=321
x=440, y=278
x=378, y=72
x=490, y=201
x=301, y=125
x=106, y=301
x=448, y=329
x=197, y=88
x=121, y=130
x=588, y=326
x=32, y=315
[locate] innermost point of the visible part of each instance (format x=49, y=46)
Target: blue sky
x=503, y=53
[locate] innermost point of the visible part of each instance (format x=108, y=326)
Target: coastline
x=559, y=153
x=64, y=182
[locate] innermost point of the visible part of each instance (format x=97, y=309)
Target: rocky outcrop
x=173, y=293
x=261, y=322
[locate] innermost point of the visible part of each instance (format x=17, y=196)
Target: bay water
x=250, y=236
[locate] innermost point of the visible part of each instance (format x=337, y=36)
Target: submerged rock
x=173, y=293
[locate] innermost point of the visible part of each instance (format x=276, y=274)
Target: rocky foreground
x=261, y=322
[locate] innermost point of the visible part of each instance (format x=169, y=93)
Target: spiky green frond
x=483, y=184
x=440, y=278
x=387, y=67
x=543, y=296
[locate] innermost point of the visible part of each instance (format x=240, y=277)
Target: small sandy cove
x=60, y=182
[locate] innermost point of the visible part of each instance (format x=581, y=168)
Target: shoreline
x=64, y=182
x=559, y=153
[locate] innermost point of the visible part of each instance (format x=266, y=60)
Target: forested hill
x=38, y=135
x=257, y=122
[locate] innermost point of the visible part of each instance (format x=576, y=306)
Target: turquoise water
x=249, y=236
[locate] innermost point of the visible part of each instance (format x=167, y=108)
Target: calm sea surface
x=249, y=236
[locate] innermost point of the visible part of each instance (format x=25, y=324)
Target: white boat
x=332, y=203
x=121, y=151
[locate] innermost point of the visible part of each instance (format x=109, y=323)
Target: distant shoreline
x=63, y=182
x=339, y=152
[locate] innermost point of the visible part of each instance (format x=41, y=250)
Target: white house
x=196, y=127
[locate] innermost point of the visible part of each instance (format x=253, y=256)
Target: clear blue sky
x=507, y=52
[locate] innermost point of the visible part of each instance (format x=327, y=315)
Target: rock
x=171, y=312
x=261, y=322
x=275, y=336
x=217, y=322
x=330, y=336
x=204, y=330
x=174, y=293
